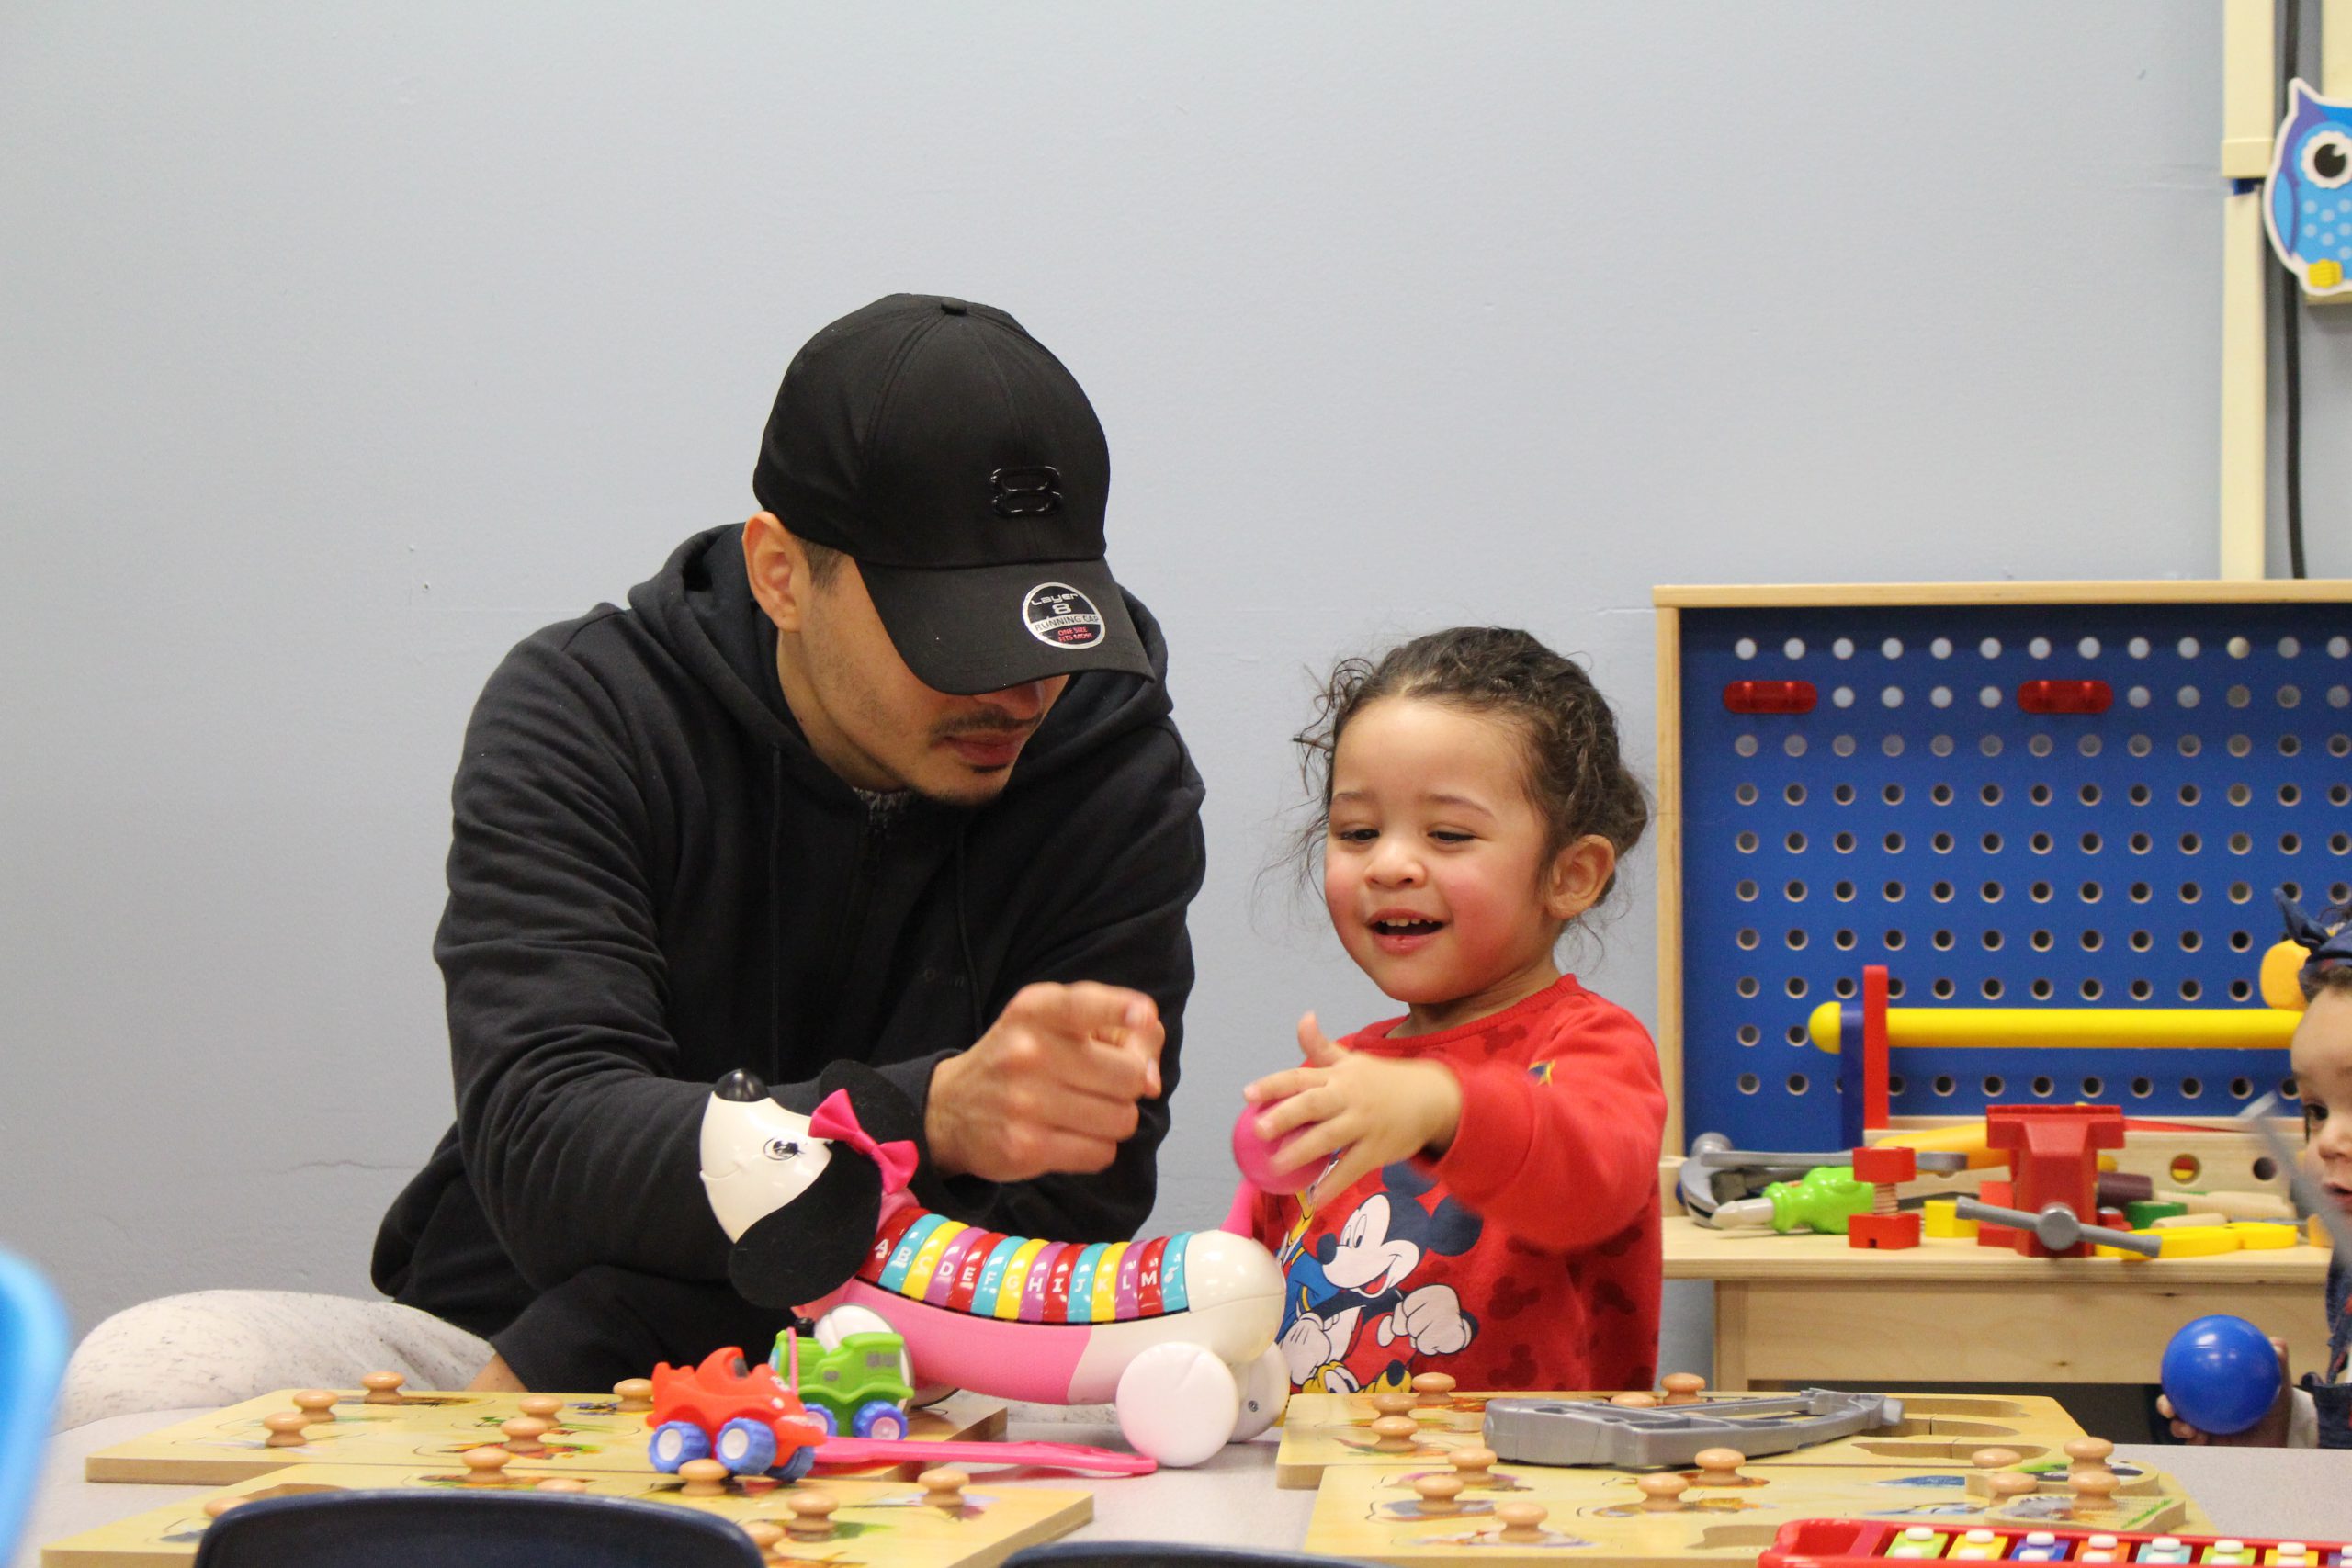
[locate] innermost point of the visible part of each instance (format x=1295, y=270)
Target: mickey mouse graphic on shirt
x=1357, y=1279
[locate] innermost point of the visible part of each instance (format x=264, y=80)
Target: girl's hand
x=2270, y=1432
x=1369, y=1110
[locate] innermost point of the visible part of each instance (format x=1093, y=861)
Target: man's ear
x=778, y=569
x=1579, y=875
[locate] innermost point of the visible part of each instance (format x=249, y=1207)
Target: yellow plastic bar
x=2072, y=1028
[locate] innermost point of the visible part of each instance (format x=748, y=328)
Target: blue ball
x=2222, y=1374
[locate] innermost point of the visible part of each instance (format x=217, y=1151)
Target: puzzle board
x=1595, y=1518
x=1920, y=818
x=1325, y=1431
x=592, y=1433
x=877, y=1520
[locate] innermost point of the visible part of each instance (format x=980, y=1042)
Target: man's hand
x=1367, y=1110
x=1051, y=1087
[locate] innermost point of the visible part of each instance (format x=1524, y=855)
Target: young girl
x=1490, y=1207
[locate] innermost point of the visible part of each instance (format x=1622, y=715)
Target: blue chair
x=1164, y=1554
x=481, y=1529
x=32, y=1357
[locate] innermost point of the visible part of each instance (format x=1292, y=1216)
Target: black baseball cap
x=955, y=459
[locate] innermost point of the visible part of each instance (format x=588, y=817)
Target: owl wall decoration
x=2307, y=199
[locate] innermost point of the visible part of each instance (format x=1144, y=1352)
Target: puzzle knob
x=285, y=1429
x=1718, y=1467
x=812, y=1514
x=764, y=1534
x=523, y=1434
x=634, y=1393
x=2006, y=1484
x=483, y=1465
x=316, y=1403
x=1472, y=1465
x=942, y=1488
x=1683, y=1388
x=383, y=1388
x=545, y=1407
x=1995, y=1458
x=2088, y=1452
x=703, y=1478
x=561, y=1483
x=2094, y=1488
x=1438, y=1493
x=1432, y=1389
x=1395, y=1433
x=1662, y=1490
x=1636, y=1400
x=1522, y=1521
x=1394, y=1403
x=219, y=1505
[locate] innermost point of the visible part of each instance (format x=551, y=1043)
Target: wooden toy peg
x=943, y=1488
x=764, y=1534
x=1661, y=1489
x=2005, y=1485
x=217, y=1507
x=812, y=1514
x=561, y=1483
x=1995, y=1458
x=2090, y=1453
x=523, y=1434
x=1395, y=1433
x=703, y=1478
x=1718, y=1467
x=1683, y=1388
x=548, y=1407
x=383, y=1388
x=1636, y=1400
x=484, y=1466
x=1433, y=1390
x=2094, y=1489
x=1522, y=1521
x=1394, y=1403
x=285, y=1429
x=1439, y=1493
x=316, y=1403
x=634, y=1394
x=1474, y=1465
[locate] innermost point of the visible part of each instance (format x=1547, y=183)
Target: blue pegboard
x=1917, y=817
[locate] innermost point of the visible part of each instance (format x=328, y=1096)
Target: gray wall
x=340, y=346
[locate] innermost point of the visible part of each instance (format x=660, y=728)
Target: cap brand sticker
x=1061, y=614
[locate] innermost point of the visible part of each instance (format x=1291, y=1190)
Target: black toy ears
x=811, y=1247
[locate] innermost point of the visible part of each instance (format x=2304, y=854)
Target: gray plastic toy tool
x=1560, y=1431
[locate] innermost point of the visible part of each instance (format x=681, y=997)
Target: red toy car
x=734, y=1411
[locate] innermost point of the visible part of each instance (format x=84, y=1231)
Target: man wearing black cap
x=886, y=774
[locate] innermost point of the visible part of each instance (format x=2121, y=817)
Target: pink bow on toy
x=836, y=1119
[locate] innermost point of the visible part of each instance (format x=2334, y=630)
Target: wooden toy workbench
x=2016, y=795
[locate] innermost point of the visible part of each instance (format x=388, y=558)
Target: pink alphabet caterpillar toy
x=1178, y=1331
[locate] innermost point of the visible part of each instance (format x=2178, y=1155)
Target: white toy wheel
x=1177, y=1403
x=844, y=1321
x=1265, y=1389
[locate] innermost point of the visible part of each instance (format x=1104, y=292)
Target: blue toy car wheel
x=675, y=1442
x=879, y=1419
x=745, y=1447
x=802, y=1461
x=824, y=1417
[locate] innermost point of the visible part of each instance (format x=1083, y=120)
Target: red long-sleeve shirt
x=1525, y=1256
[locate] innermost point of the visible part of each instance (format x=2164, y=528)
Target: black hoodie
x=653, y=881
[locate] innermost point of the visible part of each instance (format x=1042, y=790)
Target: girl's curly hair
x=1574, y=775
